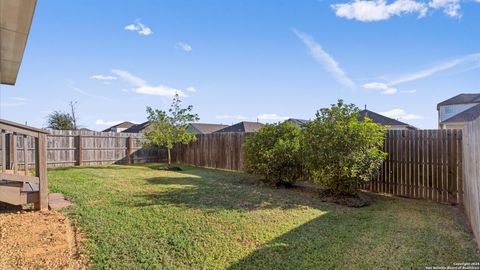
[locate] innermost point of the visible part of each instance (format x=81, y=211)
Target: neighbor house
x=197, y=128
x=139, y=128
x=120, y=127
x=298, y=122
x=244, y=126
x=455, y=111
x=385, y=121
x=202, y=128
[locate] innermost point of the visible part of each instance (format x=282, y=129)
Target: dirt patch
x=38, y=240
x=359, y=199
x=356, y=200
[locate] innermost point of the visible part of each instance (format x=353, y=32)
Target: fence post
x=80, y=150
x=13, y=152
x=129, y=150
x=41, y=168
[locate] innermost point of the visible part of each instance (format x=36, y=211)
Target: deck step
x=57, y=201
x=12, y=194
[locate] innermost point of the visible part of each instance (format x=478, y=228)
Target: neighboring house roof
x=136, y=128
x=125, y=125
x=299, y=122
x=465, y=116
x=242, y=127
x=460, y=99
x=381, y=119
x=202, y=128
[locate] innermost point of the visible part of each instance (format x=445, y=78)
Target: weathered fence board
x=424, y=164
x=88, y=148
x=471, y=180
x=216, y=150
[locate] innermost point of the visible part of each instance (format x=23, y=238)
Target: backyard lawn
x=138, y=217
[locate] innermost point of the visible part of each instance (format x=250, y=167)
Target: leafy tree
x=60, y=120
x=169, y=128
x=341, y=150
x=274, y=153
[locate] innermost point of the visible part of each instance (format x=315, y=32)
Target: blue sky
x=245, y=60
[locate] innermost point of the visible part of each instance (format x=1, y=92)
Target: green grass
x=136, y=217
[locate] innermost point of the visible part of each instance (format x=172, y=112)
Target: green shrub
x=274, y=153
x=340, y=151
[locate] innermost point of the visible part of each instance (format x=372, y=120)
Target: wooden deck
x=23, y=183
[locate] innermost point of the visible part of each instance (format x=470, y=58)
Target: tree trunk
x=169, y=157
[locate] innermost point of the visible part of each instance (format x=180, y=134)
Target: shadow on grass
x=217, y=190
x=313, y=245
x=99, y=167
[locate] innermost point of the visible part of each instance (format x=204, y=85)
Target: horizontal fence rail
x=85, y=148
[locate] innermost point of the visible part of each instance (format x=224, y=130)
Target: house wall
x=448, y=111
x=452, y=126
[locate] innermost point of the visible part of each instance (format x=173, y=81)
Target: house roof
x=202, y=128
x=242, y=127
x=381, y=119
x=125, y=124
x=136, y=128
x=465, y=116
x=15, y=21
x=460, y=99
x=299, y=122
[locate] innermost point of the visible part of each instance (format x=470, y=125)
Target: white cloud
x=127, y=76
x=385, y=89
x=140, y=28
x=101, y=122
x=227, y=116
x=408, y=91
x=401, y=114
x=11, y=104
x=449, y=7
x=184, y=46
x=271, y=117
x=72, y=86
x=191, y=89
x=470, y=61
x=467, y=62
x=140, y=86
x=103, y=77
x=378, y=10
x=323, y=58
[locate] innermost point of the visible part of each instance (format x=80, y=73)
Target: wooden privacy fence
x=87, y=148
x=471, y=186
x=425, y=164
x=215, y=150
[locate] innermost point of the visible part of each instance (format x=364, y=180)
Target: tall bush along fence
x=471, y=159
x=216, y=150
x=425, y=164
x=88, y=148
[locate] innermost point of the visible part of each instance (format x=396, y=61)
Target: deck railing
x=19, y=182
